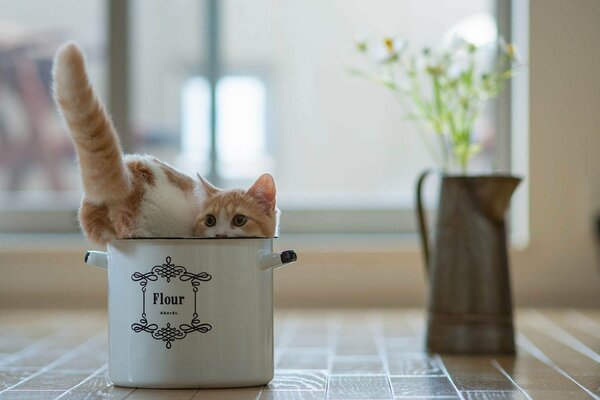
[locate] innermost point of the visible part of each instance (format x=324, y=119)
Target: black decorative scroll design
x=169, y=333
x=168, y=270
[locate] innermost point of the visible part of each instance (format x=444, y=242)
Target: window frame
x=384, y=217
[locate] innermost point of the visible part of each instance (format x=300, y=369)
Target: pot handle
x=97, y=259
x=421, y=219
x=277, y=260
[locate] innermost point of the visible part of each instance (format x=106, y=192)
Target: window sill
x=302, y=242
x=349, y=242
x=42, y=242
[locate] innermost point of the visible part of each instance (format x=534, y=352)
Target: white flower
x=509, y=49
x=457, y=43
x=512, y=52
x=456, y=69
x=361, y=42
x=459, y=58
x=389, y=49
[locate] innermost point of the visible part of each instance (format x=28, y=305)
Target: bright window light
x=241, y=126
x=479, y=29
x=195, y=108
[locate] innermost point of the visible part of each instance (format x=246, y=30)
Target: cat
x=133, y=196
x=236, y=213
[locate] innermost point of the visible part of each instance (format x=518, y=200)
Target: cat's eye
x=210, y=220
x=240, y=220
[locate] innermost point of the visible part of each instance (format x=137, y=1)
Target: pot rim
x=193, y=238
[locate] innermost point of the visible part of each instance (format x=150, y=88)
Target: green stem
x=438, y=125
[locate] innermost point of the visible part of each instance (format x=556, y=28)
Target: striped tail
x=103, y=172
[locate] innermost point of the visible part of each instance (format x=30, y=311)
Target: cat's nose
x=221, y=235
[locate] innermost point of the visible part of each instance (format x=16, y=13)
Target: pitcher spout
x=493, y=193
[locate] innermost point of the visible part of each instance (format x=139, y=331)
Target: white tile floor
x=351, y=354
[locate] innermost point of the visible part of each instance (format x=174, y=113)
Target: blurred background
x=233, y=88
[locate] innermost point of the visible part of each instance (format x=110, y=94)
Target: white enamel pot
x=190, y=313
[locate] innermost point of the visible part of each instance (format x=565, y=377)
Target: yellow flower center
x=389, y=44
x=510, y=50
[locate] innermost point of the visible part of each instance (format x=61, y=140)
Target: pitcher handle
x=421, y=219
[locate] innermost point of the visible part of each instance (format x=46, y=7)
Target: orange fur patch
x=96, y=223
x=232, y=202
x=176, y=178
x=103, y=172
x=141, y=172
x=127, y=212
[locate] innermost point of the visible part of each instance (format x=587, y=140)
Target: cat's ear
x=264, y=191
x=207, y=188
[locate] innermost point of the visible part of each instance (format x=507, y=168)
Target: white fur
x=166, y=210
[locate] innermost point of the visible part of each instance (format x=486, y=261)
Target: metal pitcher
x=470, y=307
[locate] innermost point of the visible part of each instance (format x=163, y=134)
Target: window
x=233, y=88
x=241, y=127
x=38, y=175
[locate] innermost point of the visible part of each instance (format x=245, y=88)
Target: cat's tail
x=104, y=174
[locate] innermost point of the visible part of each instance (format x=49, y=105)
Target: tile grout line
x=532, y=349
x=285, y=390
x=497, y=365
x=377, y=330
x=130, y=393
x=30, y=347
x=368, y=374
x=581, y=317
x=564, y=337
x=378, y=337
x=333, y=327
x=445, y=370
x=65, y=357
x=38, y=390
x=546, y=328
x=288, y=331
x=283, y=343
x=383, y=374
x=92, y=375
x=414, y=326
x=418, y=376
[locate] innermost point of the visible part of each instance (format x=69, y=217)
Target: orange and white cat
x=129, y=196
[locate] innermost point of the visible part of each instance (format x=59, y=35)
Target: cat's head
x=237, y=212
